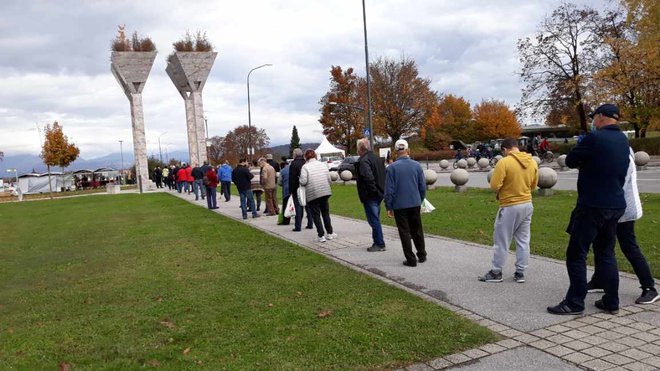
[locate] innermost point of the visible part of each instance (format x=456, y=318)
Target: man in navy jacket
x=405, y=189
x=602, y=157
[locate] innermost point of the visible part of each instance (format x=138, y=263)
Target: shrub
x=198, y=43
x=432, y=155
x=648, y=145
x=136, y=44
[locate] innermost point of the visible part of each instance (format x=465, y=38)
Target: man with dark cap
x=602, y=158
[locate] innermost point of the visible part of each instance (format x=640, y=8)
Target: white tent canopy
x=325, y=148
x=38, y=183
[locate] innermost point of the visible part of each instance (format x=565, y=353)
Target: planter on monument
x=131, y=69
x=189, y=71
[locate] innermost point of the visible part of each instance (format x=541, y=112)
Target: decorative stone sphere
x=547, y=177
x=334, y=176
x=346, y=175
x=462, y=164
x=483, y=163
x=641, y=158
x=471, y=161
x=561, y=161
x=537, y=159
x=444, y=164
x=489, y=175
x=497, y=158
x=431, y=176
x=459, y=177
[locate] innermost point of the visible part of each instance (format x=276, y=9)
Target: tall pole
x=160, y=153
x=366, y=60
x=121, y=151
x=249, y=114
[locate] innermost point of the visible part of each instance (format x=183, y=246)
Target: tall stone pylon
x=189, y=71
x=131, y=69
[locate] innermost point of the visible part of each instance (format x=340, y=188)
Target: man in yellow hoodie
x=514, y=179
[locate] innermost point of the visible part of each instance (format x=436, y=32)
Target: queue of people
x=607, y=207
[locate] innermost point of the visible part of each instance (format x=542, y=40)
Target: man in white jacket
x=625, y=234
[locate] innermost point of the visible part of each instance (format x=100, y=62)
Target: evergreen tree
x=295, y=141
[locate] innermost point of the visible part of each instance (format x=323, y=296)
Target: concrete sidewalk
x=597, y=341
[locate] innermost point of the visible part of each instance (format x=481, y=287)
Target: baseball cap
x=401, y=145
x=608, y=110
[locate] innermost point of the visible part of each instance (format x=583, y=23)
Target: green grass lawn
x=469, y=216
x=135, y=281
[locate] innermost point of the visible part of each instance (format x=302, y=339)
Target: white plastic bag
x=290, y=210
x=427, y=207
x=302, y=196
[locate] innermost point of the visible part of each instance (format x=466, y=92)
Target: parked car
x=332, y=162
x=349, y=164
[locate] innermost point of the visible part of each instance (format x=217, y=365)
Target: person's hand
x=390, y=214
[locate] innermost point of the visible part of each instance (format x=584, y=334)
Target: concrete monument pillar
x=131, y=69
x=189, y=71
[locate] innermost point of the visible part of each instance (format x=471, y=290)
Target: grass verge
x=469, y=216
x=134, y=281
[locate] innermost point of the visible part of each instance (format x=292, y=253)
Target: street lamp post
x=366, y=59
x=249, y=114
x=121, y=151
x=160, y=153
x=13, y=170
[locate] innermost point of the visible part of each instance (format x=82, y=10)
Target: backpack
x=205, y=180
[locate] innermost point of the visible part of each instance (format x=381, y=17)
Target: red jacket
x=189, y=177
x=181, y=175
x=213, y=179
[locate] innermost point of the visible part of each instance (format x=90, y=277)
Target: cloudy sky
x=55, y=63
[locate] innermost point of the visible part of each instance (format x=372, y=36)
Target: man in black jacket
x=371, y=188
x=602, y=157
x=242, y=178
x=198, y=182
x=294, y=184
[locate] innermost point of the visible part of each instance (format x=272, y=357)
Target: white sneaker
x=320, y=239
x=331, y=236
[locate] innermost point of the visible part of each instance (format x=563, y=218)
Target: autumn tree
x=450, y=118
x=342, y=118
x=237, y=141
x=561, y=55
x=630, y=74
x=401, y=100
x=494, y=119
x=295, y=141
x=56, y=150
x=215, y=150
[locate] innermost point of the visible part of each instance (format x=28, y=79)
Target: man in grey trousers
x=514, y=179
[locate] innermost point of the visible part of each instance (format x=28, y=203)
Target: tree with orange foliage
x=401, y=99
x=57, y=151
x=236, y=142
x=449, y=118
x=494, y=119
x=342, y=115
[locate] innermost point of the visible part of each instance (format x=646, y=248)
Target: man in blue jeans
x=242, y=177
x=371, y=188
x=602, y=158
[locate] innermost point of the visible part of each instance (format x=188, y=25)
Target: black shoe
x=215, y=208
x=309, y=227
x=422, y=259
x=255, y=216
x=296, y=230
x=491, y=276
x=649, y=296
x=592, y=287
x=563, y=309
x=409, y=264
x=599, y=304
x=376, y=248
x=519, y=277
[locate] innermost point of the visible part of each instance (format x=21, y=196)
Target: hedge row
x=648, y=145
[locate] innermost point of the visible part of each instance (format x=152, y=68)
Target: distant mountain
x=26, y=163
x=283, y=150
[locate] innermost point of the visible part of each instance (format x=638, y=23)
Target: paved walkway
x=594, y=341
